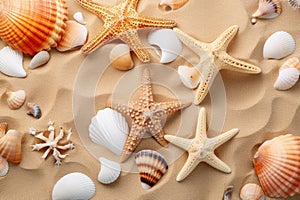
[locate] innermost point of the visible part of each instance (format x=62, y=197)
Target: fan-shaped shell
x=109, y=129
x=152, y=166
x=10, y=146
x=287, y=78
x=4, y=167
x=34, y=110
x=294, y=3
x=252, y=191
x=39, y=59
x=11, y=62
x=291, y=63
x=267, y=9
x=16, y=99
x=74, y=186
x=189, y=76
x=172, y=4
x=279, y=45
x=110, y=171
x=277, y=165
x=32, y=26
x=120, y=57
x=3, y=128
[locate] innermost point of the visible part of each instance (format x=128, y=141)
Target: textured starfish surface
x=213, y=58
x=201, y=148
x=122, y=21
x=146, y=116
x=51, y=142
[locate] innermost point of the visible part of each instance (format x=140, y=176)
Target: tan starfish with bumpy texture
x=122, y=21
x=213, y=58
x=146, y=116
x=201, y=148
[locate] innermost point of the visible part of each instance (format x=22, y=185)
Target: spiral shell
x=34, y=110
x=16, y=99
x=10, y=146
x=252, y=191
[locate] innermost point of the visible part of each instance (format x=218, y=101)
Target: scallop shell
x=267, y=9
x=166, y=44
x=74, y=186
x=39, y=59
x=279, y=45
x=252, y=191
x=189, y=76
x=3, y=128
x=120, y=57
x=10, y=146
x=172, y=4
x=4, y=167
x=34, y=110
x=110, y=171
x=152, y=166
x=11, y=62
x=75, y=36
x=277, y=165
x=31, y=26
x=287, y=78
x=294, y=3
x=78, y=16
x=291, y=63
x=15, y=100
x=109, y=129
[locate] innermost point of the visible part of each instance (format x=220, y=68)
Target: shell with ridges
x=267, y=9
x=287, y=79
x=277, y=165
x=4, y=167
x=3, y=128
x=120, y=57
x=294, y=3
x=172, y=4
x=11, y=62
x=110, y=171
x=39, y=59
x=15, y=100
x=10, y=146
x=78, y=16
x=252, y=191
x=34, y=110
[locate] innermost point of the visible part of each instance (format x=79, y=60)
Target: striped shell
x=4, y=167
x=294, y=3
x=252, y=191
x=277, y=165
x=267, y=9
x=110, y=171
x=10, y=146
x=3, y=128
x=34, y=110
x=16, y=99
x=32, y=26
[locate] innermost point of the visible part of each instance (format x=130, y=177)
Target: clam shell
x=78, y=16
x=110, y=171
x=277, y=165
x=152, y=166
x=15, y=100
x=4, y=167
x=75, y=36
x=189, y=76
x=34, y=110
x=172, y=4
x=267, y=9
x=109, y=129
x=74, y=186
x=291, y=63
x=294, y=3
x=252, y=191
x=10, y=146
x=39, y=59
x=11, y=62
x=120, y=57
x=279, y=45
x=287, y=78
x=166, y=44
x=31, y=26
x=3, y=128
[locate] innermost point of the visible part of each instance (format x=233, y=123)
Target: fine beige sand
x=72, y=87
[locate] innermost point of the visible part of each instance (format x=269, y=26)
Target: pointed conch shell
x=110, y=171
x=252, y=191
x=78, y=16
x=267, y=9
x=31, y=26
x=172, y=4
x=4, y=167
x=294, y=3
x=10, y=146
x=277, y=165
x=120, y=57
x=39, y=59
x=34, y=110
x=3, y=128
x=15, y=100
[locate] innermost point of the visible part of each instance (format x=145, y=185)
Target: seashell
x=152, y=166
x=109, y=129
x=190, y=76
x=10, y=146
x=75, y=36
x=15, y=100
x=110, y=171
x=166, y=44
x=31, y=26
x=120, y=57
x=294, y=3
x=267, y=9
x=74, y=186
x=172, y=4
x=3, y=128
x=252, y=191
x=4, y=167
x=228, y=193
x=279, y=45
x=11, y=62
x=34, y=110
x=277, y=165
x=78, y=16
x=39, y=59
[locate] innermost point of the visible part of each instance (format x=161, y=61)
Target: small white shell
x=4, y=167
x=110, y=171
x=74, y=186
x=15, y=100
x=11, y=62
x=39, y=59
x=166, y=44
x=252, y=191
x=279, y=45
x=109, y=129
x=78, y=16
x=120, y=57
x=294, y=3
x=189, y=76
x=287, y=78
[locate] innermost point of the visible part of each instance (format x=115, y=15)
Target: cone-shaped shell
x=277, y=165
x=252, y=191
x=152, y=166
x=16, y=99
x=30, y=25
x=120, y=57
x=267, y=9
x=172, y=4
x=4, y=167
x=294, y=3
x=110, y=171
x=3, y=128
x=10, y=146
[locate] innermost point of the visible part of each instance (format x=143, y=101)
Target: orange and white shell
x=16, y=99
x=277, y=165
x=3, y=128
x=252, y=191
x=267, y=9
x=10, y=146
x=32, y=26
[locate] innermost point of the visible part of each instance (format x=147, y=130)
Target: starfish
x=51, y=142
x=201, y=148
x=213, y=58
x=146, y=116
x=122, y=21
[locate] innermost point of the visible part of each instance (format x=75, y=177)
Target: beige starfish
x=201, y=148
x=213, y=58
x=146, y=116
x=122, y=21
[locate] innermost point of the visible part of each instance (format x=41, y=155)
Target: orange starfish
x=122, y=21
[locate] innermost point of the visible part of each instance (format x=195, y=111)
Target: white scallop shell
x=39, y=59
x=110, y=171
x=4, y=167
x=74, y=186
x=15, y=100
x=109, y=129
x=287, y=78
x=279, y=45
x=189, y=76
x=166, y=44
x=11, y=62
x=78, y=16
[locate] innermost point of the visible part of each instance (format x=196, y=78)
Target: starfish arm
x=183, y=143
x=201, y=125
x=225, y=38
x=150, y=22
x=99, y=9
x=60, y=136
x=190, y=164
x=121, y=108
x=224, y=137
x=216, y=163
x=38, y=147
x=66, y=147
x=56, y=156
x=146, y=98
x=159, y=137
x=131, y=3
x=171, y=107
x=46, y=153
